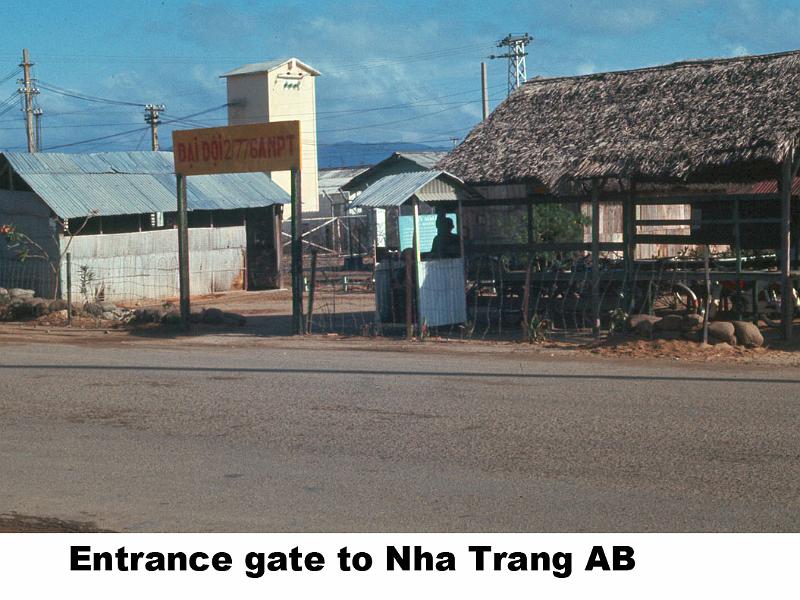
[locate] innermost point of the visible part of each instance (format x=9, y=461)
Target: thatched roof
x=732, y=119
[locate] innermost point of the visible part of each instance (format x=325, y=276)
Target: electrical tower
x=517, y=74
x=37, y=116
x=152, y=117
x=28, y=91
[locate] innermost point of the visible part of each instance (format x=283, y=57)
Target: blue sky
x=392, y=71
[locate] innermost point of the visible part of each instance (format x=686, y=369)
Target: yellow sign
x=237, y=148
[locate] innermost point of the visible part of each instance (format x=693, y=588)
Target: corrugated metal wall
x=442, y=300
x=130, y=267
x=31, y=216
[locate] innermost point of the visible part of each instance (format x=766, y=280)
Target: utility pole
x=484, y=91
x=28, y=91
x=152, y=114
x=517, y=73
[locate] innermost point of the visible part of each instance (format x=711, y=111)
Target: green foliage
x=538, y=329
x=619, y=320
x=22, y=246
x=551, y=223
x=556, y=223
x=86, y=279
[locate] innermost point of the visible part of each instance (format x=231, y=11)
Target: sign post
x=183, y=250
x=298, y=327
x=261, y=147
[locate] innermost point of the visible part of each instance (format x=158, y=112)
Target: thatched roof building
x=713, y=120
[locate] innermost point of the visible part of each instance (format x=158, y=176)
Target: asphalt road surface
x=316, y=437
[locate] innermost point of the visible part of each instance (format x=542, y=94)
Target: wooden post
x=707, y=314
x=311, y=287
x=409, y=293
x=183, y=250
x=417, y=263
x=484, y=92
x=595, y=258
x=69, y=287
x=787, y=297
x=628, y=247
x=28, y=92
x=297, y=255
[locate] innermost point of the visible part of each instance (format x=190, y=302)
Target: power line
x=123, y=133
x=86, y=97
x=97, y=139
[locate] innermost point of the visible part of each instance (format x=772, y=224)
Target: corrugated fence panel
x=130, y=267
x=442, y=298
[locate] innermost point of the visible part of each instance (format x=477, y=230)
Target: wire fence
x=36, y=275
x=504, y=299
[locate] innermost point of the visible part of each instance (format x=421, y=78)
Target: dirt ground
x=14, y=523
x=269, y=319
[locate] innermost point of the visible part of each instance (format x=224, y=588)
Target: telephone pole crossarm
x=152, y=116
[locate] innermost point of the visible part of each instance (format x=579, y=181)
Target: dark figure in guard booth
x=446, y=243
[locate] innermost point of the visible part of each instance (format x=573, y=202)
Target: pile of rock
x=18, y=304
x=690, y=327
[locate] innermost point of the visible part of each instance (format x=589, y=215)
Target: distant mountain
x=350, y=154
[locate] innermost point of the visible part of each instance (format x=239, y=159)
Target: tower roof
x=271, y=65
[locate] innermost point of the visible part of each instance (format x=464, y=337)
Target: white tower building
x=280, y=90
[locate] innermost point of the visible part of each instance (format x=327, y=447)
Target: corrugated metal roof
x=397, y=162
x=129, y=183
x=427, y=159
x=394, y=190
x=265, y=67
x=330, y=180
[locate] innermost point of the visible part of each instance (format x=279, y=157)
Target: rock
x=669, y=323
x=642, y=325
x=213, y=316
x=21, y=293
x=39, y=306
x=693, y=335
x=107, y=306
x=3, y=292
x=747, y=334
x=644, y=328
x=634, y=320
x=692, y=322
x=171, y=318
x=93, y=309
x=722, y=331
x=668, y=335
x=147, y=315
x=21, y=310
x=234, y=319
x=58, y=305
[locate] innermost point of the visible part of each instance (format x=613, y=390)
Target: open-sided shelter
x=703, y=134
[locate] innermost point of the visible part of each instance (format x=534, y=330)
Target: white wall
x=284, y=94
x=132, y=267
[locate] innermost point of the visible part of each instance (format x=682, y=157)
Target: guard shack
x=420, y=275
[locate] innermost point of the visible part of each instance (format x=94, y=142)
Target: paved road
x=313, y=437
